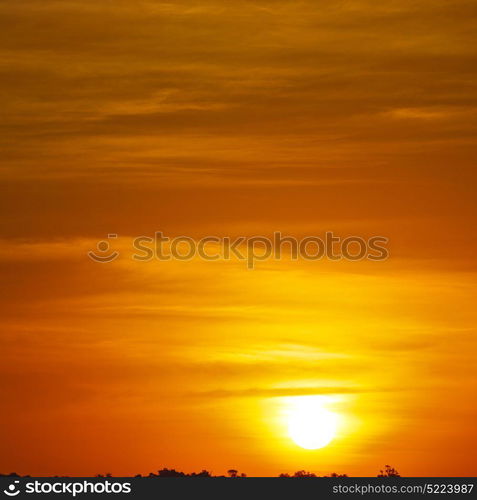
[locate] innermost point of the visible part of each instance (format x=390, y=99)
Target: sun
x=310, y=424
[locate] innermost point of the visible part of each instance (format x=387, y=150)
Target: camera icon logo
x=104, y=253
x=12, y=489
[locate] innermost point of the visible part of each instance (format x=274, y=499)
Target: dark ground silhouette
x=388, y=471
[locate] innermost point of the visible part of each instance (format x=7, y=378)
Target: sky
x=237, y=118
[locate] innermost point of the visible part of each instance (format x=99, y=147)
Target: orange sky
x=204, y=118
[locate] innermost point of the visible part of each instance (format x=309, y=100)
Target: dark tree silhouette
x=233, y=473
x=389, y=472
x=202, y=473
x=303, y=473
x=169, y=473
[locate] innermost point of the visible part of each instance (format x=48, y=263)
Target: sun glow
x=310, y=424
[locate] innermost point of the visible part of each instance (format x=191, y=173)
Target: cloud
x=279, y=392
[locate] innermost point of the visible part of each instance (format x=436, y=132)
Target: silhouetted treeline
x=388, y=471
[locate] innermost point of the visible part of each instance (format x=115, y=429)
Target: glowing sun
x=310, y=424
